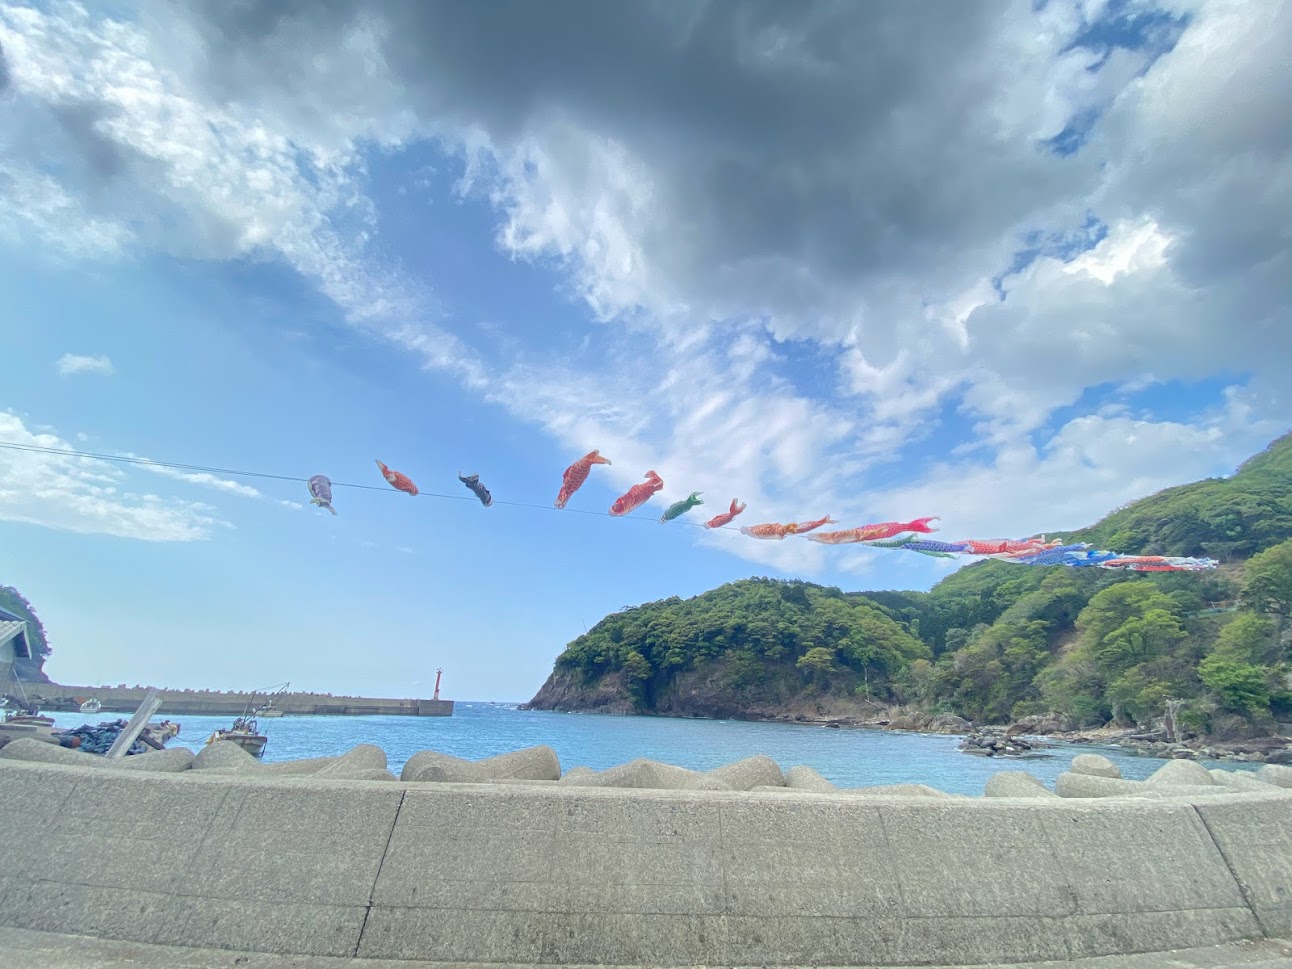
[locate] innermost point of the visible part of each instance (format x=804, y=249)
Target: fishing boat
x=91, y=707
x=162, y=730
x=23, y=712
x=245, y=732
x=268, y=709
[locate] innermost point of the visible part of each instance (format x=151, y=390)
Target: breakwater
x=512, y=859
x=213, y=703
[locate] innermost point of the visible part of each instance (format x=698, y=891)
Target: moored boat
x=245, y=733
x=162, y=730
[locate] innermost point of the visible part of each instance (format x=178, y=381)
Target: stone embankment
x=212, y=703
x=513, y=859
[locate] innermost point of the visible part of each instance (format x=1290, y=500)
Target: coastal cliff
x=1202, y=656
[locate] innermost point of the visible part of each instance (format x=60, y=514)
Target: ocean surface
x=850, y=757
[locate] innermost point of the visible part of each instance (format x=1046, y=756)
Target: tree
x=1249, y=638
x=817, y=662
x=1241, y=687
x=1268, y=581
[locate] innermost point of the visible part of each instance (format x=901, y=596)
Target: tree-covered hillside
x=993, y=641
x=1226, y=518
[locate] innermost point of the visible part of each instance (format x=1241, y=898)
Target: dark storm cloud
x=854, y=138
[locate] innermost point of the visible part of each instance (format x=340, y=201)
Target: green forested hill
x=993, y=641
x=1225, y=518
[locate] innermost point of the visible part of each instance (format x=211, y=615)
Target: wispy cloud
x=198, y=175
x=201, y=478
x=87, y=495
x=71, y=363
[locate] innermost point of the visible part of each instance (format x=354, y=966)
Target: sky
x=1013, y=264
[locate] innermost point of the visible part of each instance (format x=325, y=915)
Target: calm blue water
x=848, y=757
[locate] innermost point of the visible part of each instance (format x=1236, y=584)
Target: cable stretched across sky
x=906, y=536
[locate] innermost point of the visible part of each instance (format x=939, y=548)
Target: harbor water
x=849, y=757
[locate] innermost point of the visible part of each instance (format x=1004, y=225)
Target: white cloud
x=1090, y=467
x=86, y=495
x=150, y=160
x=71, y=363
x=202, y=478
x=713, y=182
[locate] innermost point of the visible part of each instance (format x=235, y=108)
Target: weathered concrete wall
x=549, y=873
x=207, y=703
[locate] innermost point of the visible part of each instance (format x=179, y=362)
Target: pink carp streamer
x=577, y=473
x=638, y=494
x=718, y=521
x=773, y=530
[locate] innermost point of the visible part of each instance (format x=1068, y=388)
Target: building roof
x=14, y=631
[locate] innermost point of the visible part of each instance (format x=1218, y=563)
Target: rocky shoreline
x=1029, y=737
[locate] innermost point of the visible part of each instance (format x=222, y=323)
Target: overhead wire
x=264, y=475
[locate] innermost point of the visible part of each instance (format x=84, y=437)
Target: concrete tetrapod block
x=806, y=779
x=1095, y=765
x=1242, y=780
x=42, y=753
x=1085, y=785
x=360, y=759
x=895, y=790
x=290, y=768
x=431, y=765
x=538, y=763
x=1069, y=784
x=647, y=775
x=363, y=774
x=1011, y=783
x=1181, y=772
x=168, y=761
x=742, y=775
x=225, y=757
x=1275, y=774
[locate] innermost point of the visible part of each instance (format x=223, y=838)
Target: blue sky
x=215, y=256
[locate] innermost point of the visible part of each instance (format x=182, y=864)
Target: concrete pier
x=528, y=866
x=212, y=703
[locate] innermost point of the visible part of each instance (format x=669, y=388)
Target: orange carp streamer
x=776, y=531
x=876, y=532
x=400, y=482
x=577, y=473
x=638, y=494
x=717, y=521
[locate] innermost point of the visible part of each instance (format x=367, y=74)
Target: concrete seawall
x=210, y=703
x=544, y=873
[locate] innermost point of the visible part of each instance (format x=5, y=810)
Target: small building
x=15, y=644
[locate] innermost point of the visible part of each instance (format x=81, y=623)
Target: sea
x=848, y=756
